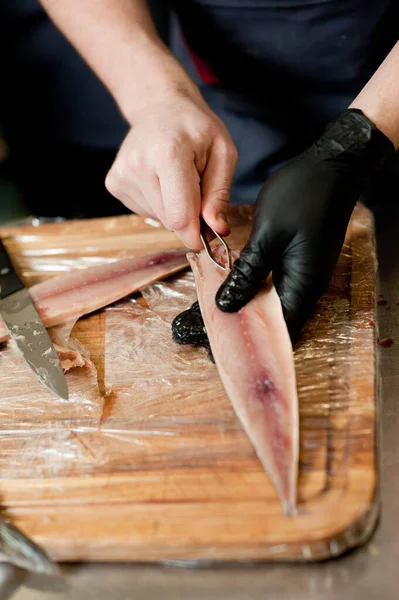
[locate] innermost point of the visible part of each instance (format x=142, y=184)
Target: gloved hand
x=301, y=216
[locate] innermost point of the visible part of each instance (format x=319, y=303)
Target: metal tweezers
x=208, y=248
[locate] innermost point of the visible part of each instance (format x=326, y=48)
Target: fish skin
x=188, y=328
x=253, y=354
x=72, y=295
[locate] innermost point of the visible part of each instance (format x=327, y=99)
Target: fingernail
x=222, y=218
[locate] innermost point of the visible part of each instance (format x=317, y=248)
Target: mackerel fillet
x=253, y=354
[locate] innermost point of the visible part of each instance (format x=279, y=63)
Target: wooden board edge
x=113, y=548
x=359, y=534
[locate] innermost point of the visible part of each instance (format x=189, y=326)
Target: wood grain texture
x=148, y=461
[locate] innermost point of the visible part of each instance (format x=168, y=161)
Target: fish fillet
x=253, y=354
x=72, y=295
x=70, y=351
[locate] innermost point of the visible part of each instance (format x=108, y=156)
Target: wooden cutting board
x=147, y=461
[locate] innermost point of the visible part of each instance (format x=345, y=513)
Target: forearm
x=118, y=39
x=379, y=99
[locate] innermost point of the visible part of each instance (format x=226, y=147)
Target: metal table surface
x=368, y=573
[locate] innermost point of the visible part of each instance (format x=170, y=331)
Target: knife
x=27, y=330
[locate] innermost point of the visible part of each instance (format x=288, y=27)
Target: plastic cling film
x=55, y=248
x=149, y=405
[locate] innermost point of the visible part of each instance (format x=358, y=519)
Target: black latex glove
x=301, y=217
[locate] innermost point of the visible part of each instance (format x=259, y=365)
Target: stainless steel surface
x=369, y=573
x=23, y=552
x=30, y=335
x=208, y=248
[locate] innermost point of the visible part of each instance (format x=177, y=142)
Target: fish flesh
x=71, y=352
x=253, y=354
x=67, y=297
x=254, y=357
x=78, y=293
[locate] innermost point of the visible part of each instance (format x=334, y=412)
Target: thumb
x=249, y=273
x=216, y=183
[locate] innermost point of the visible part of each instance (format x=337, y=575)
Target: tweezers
x=208, y=248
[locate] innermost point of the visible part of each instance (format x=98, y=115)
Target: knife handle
x=9, y=280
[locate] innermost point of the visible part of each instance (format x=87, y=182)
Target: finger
x=249, y=273
x=216, y=184
x=135, y=207
x=128, y=193
x=208, y=233
x=180, y=188
x=151, y=192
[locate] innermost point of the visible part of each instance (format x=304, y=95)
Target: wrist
x=155, y=76
x=356, y=137
x=382, y=116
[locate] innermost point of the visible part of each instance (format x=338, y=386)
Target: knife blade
x=27, y=329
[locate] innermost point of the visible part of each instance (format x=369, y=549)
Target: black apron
x=277, y=71
x=280, y=70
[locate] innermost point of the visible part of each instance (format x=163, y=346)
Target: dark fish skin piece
x=188, y=328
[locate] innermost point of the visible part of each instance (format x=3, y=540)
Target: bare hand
x=177, y=162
